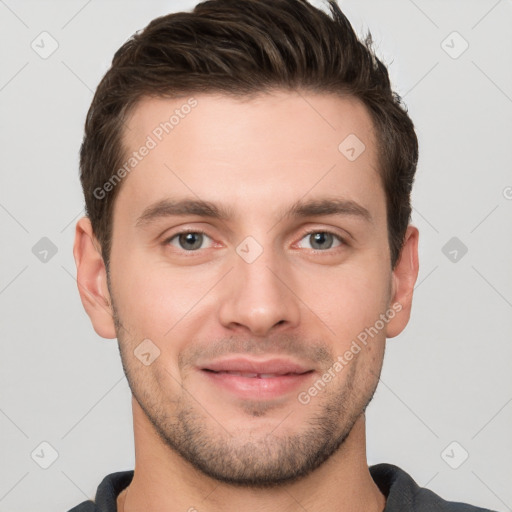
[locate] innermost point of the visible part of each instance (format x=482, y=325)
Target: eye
x=188, y=241
x=322, y=240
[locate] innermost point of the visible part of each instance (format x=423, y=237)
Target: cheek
x=348, y=298
x=168, y=306
x=153, y=298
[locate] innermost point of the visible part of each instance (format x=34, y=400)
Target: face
x=249, y=255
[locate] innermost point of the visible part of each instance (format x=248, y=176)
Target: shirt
x=401, y=491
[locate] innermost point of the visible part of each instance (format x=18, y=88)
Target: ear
x=403, y=279
x=92, y=279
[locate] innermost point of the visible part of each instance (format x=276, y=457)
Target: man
x=247, y=172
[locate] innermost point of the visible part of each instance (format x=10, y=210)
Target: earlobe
x=92, y=279
x=403, y=281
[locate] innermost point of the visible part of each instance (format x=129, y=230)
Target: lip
x=280, y=377
x=240, y=364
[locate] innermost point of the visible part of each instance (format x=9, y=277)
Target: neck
x=164, y=481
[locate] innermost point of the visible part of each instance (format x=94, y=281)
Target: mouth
x=256, y=379
x=249, y=375
x=253, y=367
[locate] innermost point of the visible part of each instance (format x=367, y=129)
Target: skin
x=199, y=447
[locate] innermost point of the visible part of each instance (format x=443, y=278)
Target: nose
x=258, y=297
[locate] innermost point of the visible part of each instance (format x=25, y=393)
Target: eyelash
x=341, y=239
x=306, y=233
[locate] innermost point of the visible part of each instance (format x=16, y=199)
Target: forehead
x=260, y=151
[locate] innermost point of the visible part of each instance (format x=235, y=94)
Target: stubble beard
x=260, y=460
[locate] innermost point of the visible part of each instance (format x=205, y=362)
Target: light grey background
x=446, y=378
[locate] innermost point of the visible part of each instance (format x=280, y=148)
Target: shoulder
x=403, y=493
x=86, y=506
x=106, y=494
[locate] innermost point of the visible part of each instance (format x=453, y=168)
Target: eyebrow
x=300, y=209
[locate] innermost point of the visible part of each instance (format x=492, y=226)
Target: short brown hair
x=244, y=47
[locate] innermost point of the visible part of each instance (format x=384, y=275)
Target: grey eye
x=322, y=240
x=189, y=241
